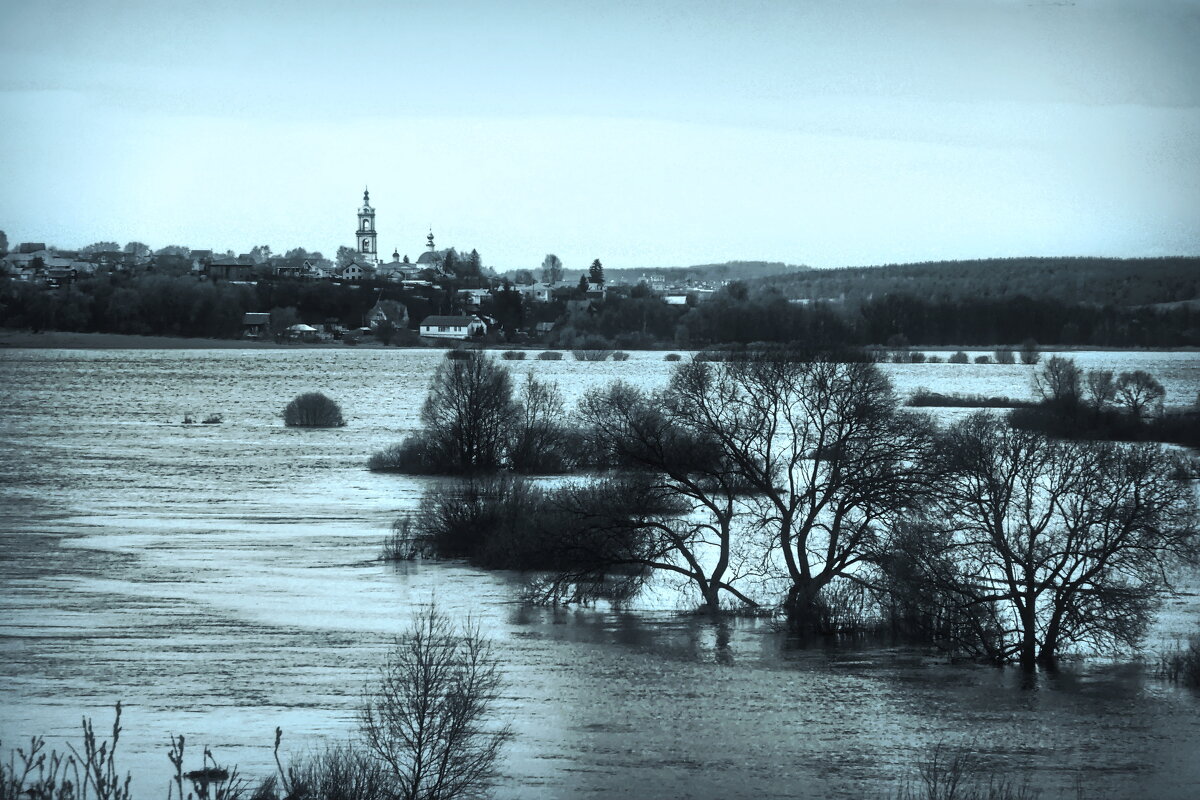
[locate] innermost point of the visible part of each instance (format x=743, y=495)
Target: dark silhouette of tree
x=1060, y=543
x=683, y=467
x=552, y=269
x=596, y=272
x=828, y=459
x=469, y=412
x=1060, y=383
x=1139, y=393
x=426, y=717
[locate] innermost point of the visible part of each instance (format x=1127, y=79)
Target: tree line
x=771, y=481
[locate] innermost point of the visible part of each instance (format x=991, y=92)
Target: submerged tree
x=826, y=459
x=1060, y=543
x=683, y=468
x=468, y=413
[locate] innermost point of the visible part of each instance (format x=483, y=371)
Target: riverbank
x=70, y=340
x=67, y=340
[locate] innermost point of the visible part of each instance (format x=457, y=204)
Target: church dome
x=430, y=257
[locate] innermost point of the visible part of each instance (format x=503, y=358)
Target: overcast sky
x=644, y=134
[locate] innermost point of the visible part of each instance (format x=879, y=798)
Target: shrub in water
x=620, y=355
x=591, y=355
x=1005, y=356
x=673, y=357
x=983, y=360
x=458, y=355
x=513, y=355
x=550, y=355
x=412, y=456
x=313, y=410
x=958, y=358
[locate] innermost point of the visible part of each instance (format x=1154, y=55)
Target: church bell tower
x=367, y=234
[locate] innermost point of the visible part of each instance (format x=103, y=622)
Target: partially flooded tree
x=427, y=717
x=539, y=438
x=468, y=413
x=679, y=461
x=823, y=452
x=1058, y=543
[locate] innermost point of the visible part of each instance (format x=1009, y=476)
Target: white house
x=460, y=327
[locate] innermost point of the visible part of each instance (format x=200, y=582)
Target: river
x=222, y=580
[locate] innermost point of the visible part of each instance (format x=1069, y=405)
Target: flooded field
x=223, y=580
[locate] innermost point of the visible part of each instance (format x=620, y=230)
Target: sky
x=646, y=134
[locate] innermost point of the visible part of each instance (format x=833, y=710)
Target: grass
x=1182, y=665
x=926, y=398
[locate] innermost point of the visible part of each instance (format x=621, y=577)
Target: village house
x=387, y=311
x=473, y=297
x=256, y=325
x=456, y=327
x=229, y=269
x=536, y=292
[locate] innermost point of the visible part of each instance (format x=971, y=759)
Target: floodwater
x=222, y=580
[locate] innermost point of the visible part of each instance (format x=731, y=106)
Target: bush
x=413, y=456
x=313, y=410
x=550, y=355
x=591, y=355
x=916, y=357
x=459, y=354
x=928, y=398
x=1005, y=356
x=213, y=419
x=620, y=356
x=958, y=358
x=1029, y=352
x=1182, y=665
x=673, y=357
x=983, y=359
x=513, y=355
x=339, y=772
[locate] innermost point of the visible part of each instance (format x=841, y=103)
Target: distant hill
x=729, y=271
x=1102, y=281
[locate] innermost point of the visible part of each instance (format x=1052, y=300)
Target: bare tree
x=1101, y=388
x=1061, y=542
x=678, y=461
x=826, y=457
x=1139, y=392
x=1059, y=382
x=539, y=437
x=468, y=413
x=427, y=718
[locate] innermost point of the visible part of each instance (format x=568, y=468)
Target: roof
x=451, y=322
x=256, y=318
x=430, y=257
x=31, y=247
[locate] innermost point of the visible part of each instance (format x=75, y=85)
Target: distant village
x=465, y=293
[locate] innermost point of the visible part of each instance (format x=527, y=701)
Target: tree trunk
x=1029, y=634
x=803, y=609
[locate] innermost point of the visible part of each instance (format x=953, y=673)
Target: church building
x=368, y=249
